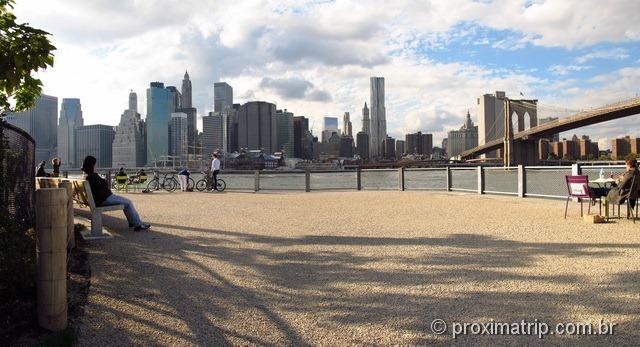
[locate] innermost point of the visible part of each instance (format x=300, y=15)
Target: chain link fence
x=17, y=175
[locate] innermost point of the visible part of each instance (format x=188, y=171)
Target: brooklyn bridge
x=521, y=147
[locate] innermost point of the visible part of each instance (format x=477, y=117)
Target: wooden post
x=51, y=230
x=307, y=181
x=448, y=178
x=401, y=178
x=71, y=237
x=256, y=184
x=359, y=178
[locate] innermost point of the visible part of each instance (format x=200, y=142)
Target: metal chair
x=578, y=188
x=122, y=182
x=631, y=198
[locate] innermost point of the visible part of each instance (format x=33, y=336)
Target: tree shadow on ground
x=397, y=284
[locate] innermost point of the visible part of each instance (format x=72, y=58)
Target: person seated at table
x=621, y=186
x=103, y=196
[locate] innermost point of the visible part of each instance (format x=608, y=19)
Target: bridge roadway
x=589, y=117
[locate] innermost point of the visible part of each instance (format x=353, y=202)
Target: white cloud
x=106, y=48
x=567, y=69
x=612, y=54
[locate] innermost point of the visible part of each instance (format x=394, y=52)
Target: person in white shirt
x=215, y=169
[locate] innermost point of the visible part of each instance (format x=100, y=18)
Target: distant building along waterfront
x=178, y=134
x=621, y=147
x=96, y=140
x=70, y=120
x=285, y=133
x=157, y=122
x=128, y=143
x=465, y=138
x=41, y=122
x=378, y=130
x=257, y=126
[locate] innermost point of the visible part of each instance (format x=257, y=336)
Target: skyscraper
x=96, y=140
x=285, y=140
x=362, y=146
x=329, y=126
x=157, y=121
x=490, y=119
x=70, y=119
x=222, y=96
x=389, y=148
x=346, y=146
x=175, y=99
x=399, y=148
x=133, y=101
x=186, y=91
x=366, y=121
x=378, y=132
x=192, y=127
x=128, y=142
x=465, y=138
x=418, y=143
x=303, y=141
x=347, y=129
x=41, y=122
x=257, y=126
x=212, y=133
x=178, y=137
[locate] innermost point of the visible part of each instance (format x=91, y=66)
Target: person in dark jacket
x=40, y=169
x=623, y=184
x=55, y=162
x=103, y=197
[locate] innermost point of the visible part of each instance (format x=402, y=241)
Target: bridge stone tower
x=524, y=151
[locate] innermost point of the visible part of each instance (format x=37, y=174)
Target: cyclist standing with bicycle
x=215, y=169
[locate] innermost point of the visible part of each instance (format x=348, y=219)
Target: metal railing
x=522, y=181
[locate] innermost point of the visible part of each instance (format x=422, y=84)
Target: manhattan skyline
x=436, y=60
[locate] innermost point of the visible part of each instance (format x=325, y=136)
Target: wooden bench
x=82, y=196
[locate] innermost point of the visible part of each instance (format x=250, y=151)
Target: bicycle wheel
x=153, y=185
x=191, y=184
x=222, y=185
x=170, y=184
x=201, y=185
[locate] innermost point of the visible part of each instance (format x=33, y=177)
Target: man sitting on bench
x=102, y=195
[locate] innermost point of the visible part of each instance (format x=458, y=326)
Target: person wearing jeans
x=103, y=197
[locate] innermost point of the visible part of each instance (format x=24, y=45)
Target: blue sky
x=315, y=57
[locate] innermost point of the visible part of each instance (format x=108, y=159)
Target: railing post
x=522, y=181
x=401, y=178
x=307, y=181
x=65, y=174
x=256, y=177
x=359, y=178
x=480, y=180
x=448, y=178
x=576, y=170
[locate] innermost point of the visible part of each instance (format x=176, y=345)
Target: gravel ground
x=357, y=268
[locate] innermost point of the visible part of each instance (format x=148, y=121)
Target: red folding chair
x=578, y=188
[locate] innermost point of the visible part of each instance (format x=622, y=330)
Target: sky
x=315, y=58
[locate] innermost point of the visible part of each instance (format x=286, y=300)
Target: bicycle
x=168, y=183
x=204, y=183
